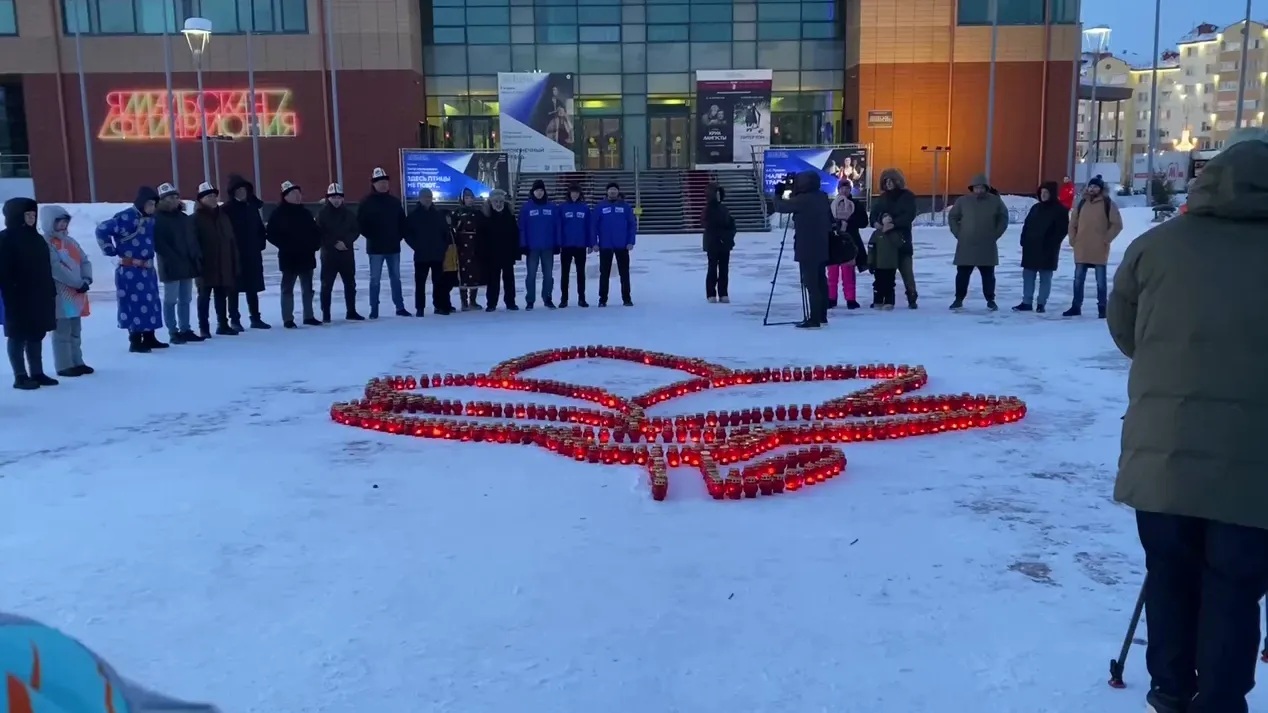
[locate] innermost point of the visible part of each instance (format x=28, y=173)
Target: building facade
x=901, y=75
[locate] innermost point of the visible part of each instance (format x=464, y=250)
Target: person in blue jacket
x=576, y=239
x=614, y=227
x=539, y=241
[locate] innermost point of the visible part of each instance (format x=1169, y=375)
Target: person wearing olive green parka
x=1188, y=307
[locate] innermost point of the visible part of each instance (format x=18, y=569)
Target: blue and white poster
x=447, y=173
x=832, y=163
x=536, y=110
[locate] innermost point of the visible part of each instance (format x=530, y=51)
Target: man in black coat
x=719, y=240
x=812, y=223
x=382, y=221
x=429, y=235
x=1041, y=236
x=243, y=211
x=28, y=293
x=180, y=262
x=339, y=232
x=899, y=204
x=293, y=231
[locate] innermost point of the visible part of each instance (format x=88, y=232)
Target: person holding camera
x=812, y=224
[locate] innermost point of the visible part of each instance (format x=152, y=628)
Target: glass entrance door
x=471, y=132
x=670, y=139
x=603, y=143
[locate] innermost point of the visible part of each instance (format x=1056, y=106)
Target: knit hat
x=167, y=189
x=287, y=187
x=334, y=189
x=206, y=189
x=612, y=185
x=574, y=187
x=539, y=183
x=378, y=175
x=1098, y=182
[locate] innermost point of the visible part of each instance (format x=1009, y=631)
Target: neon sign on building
x=142, y=115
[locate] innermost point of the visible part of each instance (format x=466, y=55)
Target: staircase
x=672, y=201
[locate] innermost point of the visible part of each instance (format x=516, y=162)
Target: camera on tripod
x=784, y=187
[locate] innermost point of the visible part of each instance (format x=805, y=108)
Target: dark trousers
x=231, y=301
x=502, y=276
x=964, y=272
x=718, y=274
x=567, y=258
x=814, y=280
x=908, y=274
x=26, y=351
x=226, y=308
x=605, y=272
x=440, y=300
x=1202, y=606
x=883, y=286
x=344, y=268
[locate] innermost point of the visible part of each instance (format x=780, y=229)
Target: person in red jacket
x=1066, y=194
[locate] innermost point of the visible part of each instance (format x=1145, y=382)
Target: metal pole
x=215, y=153
x=990, y=102
x=1153, y=102
x=1096, y=110
x=171, y=99
x=202, y=120
x=1074, y=95
x=254, y=120
x=83, y=107
x=334, y=93
x=1241, y=78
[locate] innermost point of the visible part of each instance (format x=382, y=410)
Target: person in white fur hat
x=292, y=229
x=339, y=233
x=381, y=218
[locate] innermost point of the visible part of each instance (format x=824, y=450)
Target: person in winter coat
x=429, y=236
x=338, y=226
x=843, y=252
x=466, y=227
x=1041, y=238
x=29, y=293
x=1193, y=459
x=72, y=275
x=576, y=238
x=180, y=263
x=498, y=241
x=1093, y=226
x=977, y=221
x=812, y=223
x=886, y=246
x=220, y=262
x=615, y=226
x=539, y=241
x=382, y=221
x=129, y=236
x=719, y=241
x=1066, y=195
x=898, y=203
x=243, y=210
x=293, y=231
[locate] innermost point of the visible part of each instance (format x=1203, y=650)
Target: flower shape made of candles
x=620, y=432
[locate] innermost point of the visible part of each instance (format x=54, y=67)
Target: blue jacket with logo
x=539, y=225
x=576, y=229
x=614, y=224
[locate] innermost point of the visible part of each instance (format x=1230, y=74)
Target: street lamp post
x=83, y=109
x=1241, y=78
x=252, y=117
x=197, y=33
x=1076, y=80
x=172, y=114
x=334, y=92
x=990, y=101
x=1153, y=100
x=1099, y=36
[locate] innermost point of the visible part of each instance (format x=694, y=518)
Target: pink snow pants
x=843, y=273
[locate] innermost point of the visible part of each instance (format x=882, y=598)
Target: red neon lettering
x=143, y=115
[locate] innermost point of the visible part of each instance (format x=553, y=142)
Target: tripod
x=805, y=296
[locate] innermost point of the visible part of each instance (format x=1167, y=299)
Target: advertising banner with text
x=732, y=116
x=536, y=111
x=832, y=163
x=447, y=173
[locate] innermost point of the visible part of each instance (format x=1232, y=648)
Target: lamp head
x=197, y=33
x=1098, y=36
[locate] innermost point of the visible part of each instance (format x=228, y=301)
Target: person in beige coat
x=1094, y=224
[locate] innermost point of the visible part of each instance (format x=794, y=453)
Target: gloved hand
x=84, y=288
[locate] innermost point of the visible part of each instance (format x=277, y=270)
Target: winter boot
x=1040, y=308
x=528, y=307
x=191, y=338
x=1100, y=313
x=490, y=308
x=957, y=304
x=236, y=325
x=22, y=382
x=1072, y=312
x=204, y=332
x=581, y=302
x=911, y=302
x=808, y=324
x=85, y=370
x=312, y=322
x=832, y=304
x=402, y=312
x=724, y=299
x=992, y=306
x=512, y=307
x=1023, y=307
x=713, y=300
x=256, y=323
x=224, y=329
x=550, y=304
x=627, y=302
x=42, y=380
x=152, y=341
x=136, y=343
x=325, y=318
x=354, y=317
x=563, y=302
x=71, y=372
x=177, y=338
x=290, y=324
x=852, y=304
x=374, y=311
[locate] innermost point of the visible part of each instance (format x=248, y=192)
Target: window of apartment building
x=1188, y=52
x=1228, y=86
x=1015, y=12
x=1205, y=126
x=152, y=17
x=1232, y=45
x=1140, y=133
x=1208, y=87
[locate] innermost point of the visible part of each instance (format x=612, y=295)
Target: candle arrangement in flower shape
x=732, y=450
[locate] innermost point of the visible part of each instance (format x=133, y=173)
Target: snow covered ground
x=196, y=517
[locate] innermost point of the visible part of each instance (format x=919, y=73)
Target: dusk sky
x=1132, y=21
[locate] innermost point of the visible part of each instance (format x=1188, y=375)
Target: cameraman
x=812, y=222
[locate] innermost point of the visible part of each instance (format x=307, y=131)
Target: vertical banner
x=536, y=111
x=732, y=116
x=448, y=173
x=832, y=163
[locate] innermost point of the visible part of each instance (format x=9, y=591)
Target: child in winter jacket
x=72, y=273
x=885, y=254
x=577, y=238
x=843, y=272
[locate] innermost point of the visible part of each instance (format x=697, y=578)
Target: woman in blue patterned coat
x=129, y=236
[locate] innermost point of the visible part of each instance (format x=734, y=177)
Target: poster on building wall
x=537, y=110
x=448, y=173
x=832, y=163
x=732, y=116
